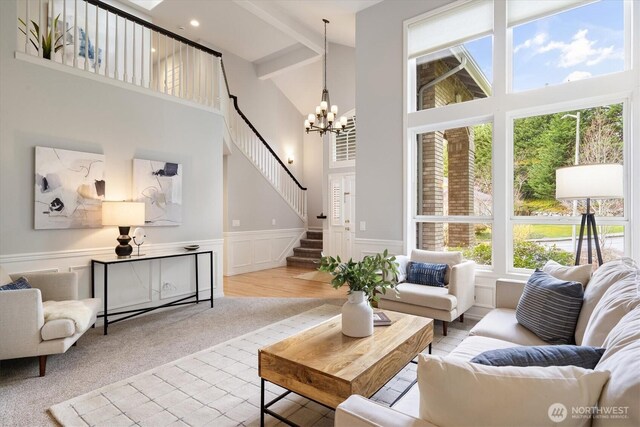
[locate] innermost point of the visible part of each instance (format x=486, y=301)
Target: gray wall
x=251, y=199
x=40, y=106
x=379, y=100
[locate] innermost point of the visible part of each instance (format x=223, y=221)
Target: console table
x=107, y=261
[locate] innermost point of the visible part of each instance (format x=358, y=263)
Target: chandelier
x=325, y=119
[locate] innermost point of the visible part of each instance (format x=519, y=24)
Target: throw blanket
x=76, y=311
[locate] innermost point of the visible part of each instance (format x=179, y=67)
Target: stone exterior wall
x=461, y=161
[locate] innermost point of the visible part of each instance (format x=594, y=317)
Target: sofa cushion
x=21, y=283
x=621, y=359
x=425, y=296
x=619, y=299
x=603, y=278
x=4, y=277
x=59, y=328
x=501, y=324
x=449, y=258
x=475, y=345
x=409, y=403
x=504, y=395
x=426, y=273
x=574, y=273
x=545, y=355
x=550, y=307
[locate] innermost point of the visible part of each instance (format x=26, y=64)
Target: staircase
x=309, y=253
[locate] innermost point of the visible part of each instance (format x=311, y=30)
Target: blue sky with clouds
x=576, y=44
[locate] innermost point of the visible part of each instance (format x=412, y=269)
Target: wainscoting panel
x=247, y=251
x=131, y=285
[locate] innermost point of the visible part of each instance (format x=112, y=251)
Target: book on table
x=380, y=319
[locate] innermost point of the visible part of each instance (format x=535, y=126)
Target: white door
x=342, y=200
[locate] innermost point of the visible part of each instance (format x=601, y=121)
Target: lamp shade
x=603, y=181
x=123, y=214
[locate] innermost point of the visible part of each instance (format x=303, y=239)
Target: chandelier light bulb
x=323, y=105
x=330, y=117
x=343, y=121
x=312, y=118
x=318, y=111
x=307, y=125
x=334, y=110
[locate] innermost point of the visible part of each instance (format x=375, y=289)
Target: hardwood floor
x=279, y=283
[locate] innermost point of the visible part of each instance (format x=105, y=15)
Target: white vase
x=357, y=316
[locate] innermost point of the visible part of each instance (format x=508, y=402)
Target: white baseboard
x=247, y=251
x=132, y=285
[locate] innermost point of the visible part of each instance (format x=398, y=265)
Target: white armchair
x=23, y=329
x=446, y=304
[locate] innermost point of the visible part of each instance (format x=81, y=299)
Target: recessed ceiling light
x=194, y=23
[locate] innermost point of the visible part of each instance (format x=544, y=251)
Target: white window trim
x=504, y=106
x=342, y=163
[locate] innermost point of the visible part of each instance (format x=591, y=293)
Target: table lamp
x=123, y=215
x=601, y=181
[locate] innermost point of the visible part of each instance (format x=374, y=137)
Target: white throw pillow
x=504, y=395
x=575, y=273
x=619, y=299
x=604, y=277
x=622, y=359
x=5, y=279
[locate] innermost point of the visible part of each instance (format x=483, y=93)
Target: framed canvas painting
x=159, y=186
x=69, y=189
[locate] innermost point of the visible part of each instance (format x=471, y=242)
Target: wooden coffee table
x=327, y=367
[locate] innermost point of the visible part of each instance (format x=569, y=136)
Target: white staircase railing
x=251, y=144
x=102, y=40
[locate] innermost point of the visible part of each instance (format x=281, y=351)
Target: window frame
x=501, y=108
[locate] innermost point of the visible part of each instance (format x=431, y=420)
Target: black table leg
x=106, y=321
x=197, y=294
x=261, y=398
x=93, y=284
x=211, y=275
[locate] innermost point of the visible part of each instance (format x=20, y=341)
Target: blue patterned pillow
x=550, y=307
x=544, y=355
x=425, y=273
x=21, y=283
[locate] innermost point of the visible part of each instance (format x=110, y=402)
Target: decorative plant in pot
x=366, y=279
x=51, y=40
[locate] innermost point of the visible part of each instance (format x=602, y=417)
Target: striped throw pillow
x=426, y=273
x=550, y=307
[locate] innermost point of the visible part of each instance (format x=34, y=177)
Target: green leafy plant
x=50, y=41
x=373, y=275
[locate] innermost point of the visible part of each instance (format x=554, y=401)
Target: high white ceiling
x=282, y=38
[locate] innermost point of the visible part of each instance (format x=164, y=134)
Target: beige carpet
x=317, y=276
x=132, y=347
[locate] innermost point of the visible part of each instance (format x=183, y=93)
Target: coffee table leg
x=261, y=402
x=429, y=348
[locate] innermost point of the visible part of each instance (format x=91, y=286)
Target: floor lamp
x=603, y=181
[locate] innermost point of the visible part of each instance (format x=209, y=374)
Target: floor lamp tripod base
x=589, y=221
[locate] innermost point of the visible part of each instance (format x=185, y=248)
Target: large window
x=565, y=45
x=454, y=198
x=482, y=153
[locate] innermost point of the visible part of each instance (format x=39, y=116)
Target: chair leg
x=43, y=364
x=444, y=328
x=462, y=318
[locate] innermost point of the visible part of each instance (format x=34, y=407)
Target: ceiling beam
x=285, y=23
x=284, y=60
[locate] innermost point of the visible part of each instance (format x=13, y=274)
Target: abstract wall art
x=69, y=189
x=159, y=186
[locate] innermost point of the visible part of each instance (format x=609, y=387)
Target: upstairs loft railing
x=103, y=40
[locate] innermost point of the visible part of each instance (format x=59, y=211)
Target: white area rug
x=218, y=386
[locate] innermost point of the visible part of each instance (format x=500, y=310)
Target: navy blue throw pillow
x=21, y=283
x=550, y=307
x=544, y=355
x=425, y=273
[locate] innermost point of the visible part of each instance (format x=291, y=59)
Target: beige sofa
x=609, y=318
x=446, y=304
x=23, y=329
